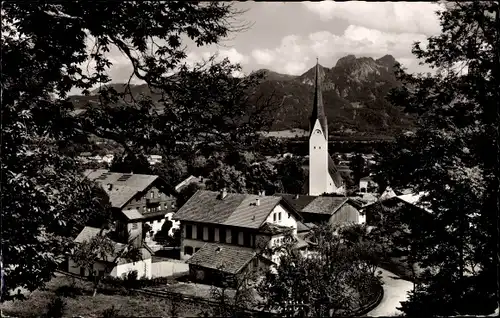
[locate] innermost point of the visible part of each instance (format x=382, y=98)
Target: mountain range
x=354, y=95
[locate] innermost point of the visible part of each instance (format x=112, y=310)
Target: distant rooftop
x=121, y=187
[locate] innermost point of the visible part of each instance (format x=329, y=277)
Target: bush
x=110, y=312
x=69, y=291
x=114, y=286
x=120, y=286
x=56, y=308
x=131, y=280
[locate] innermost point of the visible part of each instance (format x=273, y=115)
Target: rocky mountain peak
x=387, y=60
x=310, y=75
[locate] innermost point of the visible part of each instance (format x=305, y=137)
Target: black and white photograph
x=250, y=159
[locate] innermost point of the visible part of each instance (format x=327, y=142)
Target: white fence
x=166, y=268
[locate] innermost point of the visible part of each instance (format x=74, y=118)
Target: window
x=134, y=226
x=211, y=234
x=199, y=232
x=314, y=147
x=152, y=195
x=319, y=147
x=188, y=250
x=256, y=262
x=274, y=217
x=222, y=235
x=82, y=271
x=234, y=237
x=279, y=216
x=189, y=231
x=247, y=239
x=288, y=215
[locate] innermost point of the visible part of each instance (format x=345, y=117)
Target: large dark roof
x=334, y=172
x=124, y=186
x=298, y=202
x=234, y=210
x=325, y=205
x=222, y=257
x=315, y=204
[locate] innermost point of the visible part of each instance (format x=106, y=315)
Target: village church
x=323, y=174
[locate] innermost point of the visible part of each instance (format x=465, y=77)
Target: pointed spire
x=318, y=108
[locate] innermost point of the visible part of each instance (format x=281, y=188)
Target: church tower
x=318, y=143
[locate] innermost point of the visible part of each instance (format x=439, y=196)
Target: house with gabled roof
x=136, y=192
x=408, y=204
x=330, y=209
x=245, y=222
x=116, y=264
x=214, y=263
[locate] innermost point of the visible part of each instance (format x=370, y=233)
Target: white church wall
x=318, y=161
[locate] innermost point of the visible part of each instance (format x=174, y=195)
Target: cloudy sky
x=286, y=37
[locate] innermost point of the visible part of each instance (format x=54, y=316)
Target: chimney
x=223, y=193
x=110, y=186
x=257, y=202
x=296, y=197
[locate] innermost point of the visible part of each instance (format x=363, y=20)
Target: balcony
x=154, y=200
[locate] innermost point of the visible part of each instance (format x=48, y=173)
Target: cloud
x=232, y=54
x=295, y=53
x=398, y=17
x=264, y=57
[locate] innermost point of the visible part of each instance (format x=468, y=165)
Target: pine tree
x=451, y=158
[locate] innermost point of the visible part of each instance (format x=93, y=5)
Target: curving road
x=395, y=291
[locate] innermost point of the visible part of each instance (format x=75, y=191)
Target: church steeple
x=318, y=112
